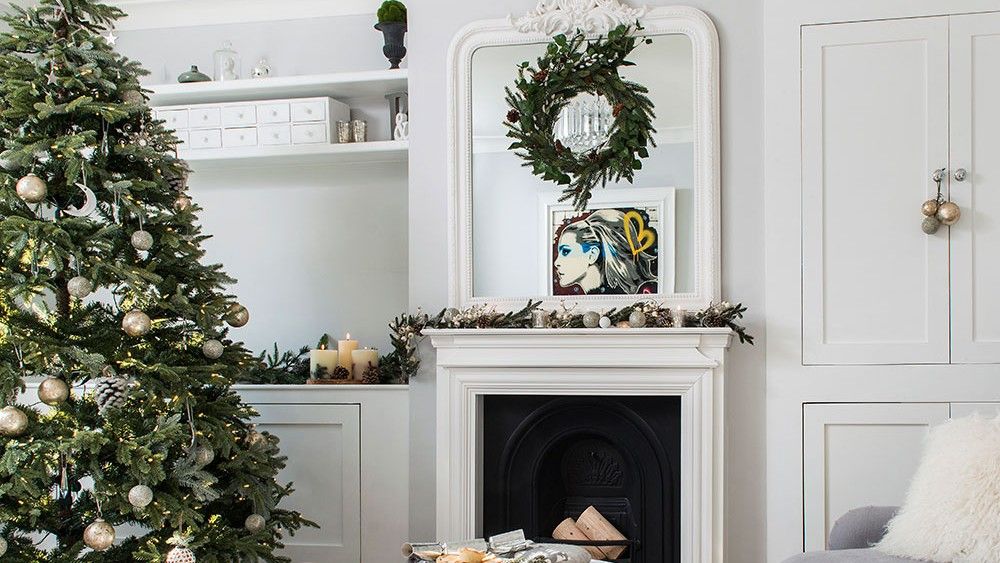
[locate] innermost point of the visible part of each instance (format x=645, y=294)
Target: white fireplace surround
x=686, y=362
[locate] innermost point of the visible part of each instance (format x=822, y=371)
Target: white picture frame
x=538, y=27
x=663, y=200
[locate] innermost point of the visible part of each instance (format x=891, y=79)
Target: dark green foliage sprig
x=392, y=11
x=406, y=330
x=572, y=66
x=274, y=368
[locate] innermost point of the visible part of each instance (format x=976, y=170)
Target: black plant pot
x=393, y=33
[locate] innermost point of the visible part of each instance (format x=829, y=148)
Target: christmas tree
x=102, y=289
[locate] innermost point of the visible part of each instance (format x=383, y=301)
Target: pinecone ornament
x=110, y=392
x=372, y=375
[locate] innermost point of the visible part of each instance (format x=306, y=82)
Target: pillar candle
x=361, y=359
x=323, y=358
x=345, y=347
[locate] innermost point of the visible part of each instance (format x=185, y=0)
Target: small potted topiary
x=392, y=24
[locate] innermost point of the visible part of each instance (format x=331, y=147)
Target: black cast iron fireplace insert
x=549, y=458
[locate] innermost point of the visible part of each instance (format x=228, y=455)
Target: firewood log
x=597, y=528
x=567, y=530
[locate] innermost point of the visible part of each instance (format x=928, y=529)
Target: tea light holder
x=343, y=131
x=359, y=131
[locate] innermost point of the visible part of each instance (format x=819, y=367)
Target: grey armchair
x=852, y=537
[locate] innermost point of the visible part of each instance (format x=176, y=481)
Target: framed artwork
x=621, y=244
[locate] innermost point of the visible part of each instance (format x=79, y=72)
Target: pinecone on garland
x=372, y=375
x=110, y=392
x=340, y=372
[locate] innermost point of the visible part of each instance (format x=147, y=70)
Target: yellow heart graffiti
x=639, y=238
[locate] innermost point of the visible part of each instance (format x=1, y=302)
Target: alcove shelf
x=347, y=153
x=340, y=85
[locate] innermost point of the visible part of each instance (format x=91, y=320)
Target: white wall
x=432, y=25
x=315, y=248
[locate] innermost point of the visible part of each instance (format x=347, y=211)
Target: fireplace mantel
x=685, y=362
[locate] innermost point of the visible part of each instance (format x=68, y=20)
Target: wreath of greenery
x=573, y=66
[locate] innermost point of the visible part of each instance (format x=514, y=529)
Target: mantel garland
x=407, y=330
x=573, y=66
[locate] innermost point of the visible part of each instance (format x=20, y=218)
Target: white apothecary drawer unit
x=301, y=121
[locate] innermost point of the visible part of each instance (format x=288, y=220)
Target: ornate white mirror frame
x=595, y=17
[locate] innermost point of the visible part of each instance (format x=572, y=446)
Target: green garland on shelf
x=569, y=67
x=406, y=330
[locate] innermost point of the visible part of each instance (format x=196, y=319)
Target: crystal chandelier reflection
x=585, y=123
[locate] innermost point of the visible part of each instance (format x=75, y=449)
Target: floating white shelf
x=347, y=153
x=341, y=85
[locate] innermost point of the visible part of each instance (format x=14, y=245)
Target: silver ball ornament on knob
x=255, y=523
x=930, y=225
x=591, y=319
x=136, y=323
x=140, y=496
x=99, y=536
x=949, y=213
x=142, y=240
x=53, y=391
x=13, y=421
x=79, y=287
x=213, y=349
x=637, y=319
x=605, y=322
x=32, y=189
x=237, y=316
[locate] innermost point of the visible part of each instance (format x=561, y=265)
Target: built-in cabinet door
x=859, y=455
x=874, y=128
x=975, y=148
x=323, y=446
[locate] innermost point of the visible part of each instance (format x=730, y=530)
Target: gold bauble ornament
x=142, y=240
x=79, y=287
x=182, y=203
x=136, y=323
x=237, y=316
x=99, y=536
x=929, y=208
x=949, y=213
x=133, y=97
x=140, y=496
x=255, y=523
x=32, y=189
x=13, y=422
x=930, y=225
x=53, y=391
x=202, y=456
x=3, y=547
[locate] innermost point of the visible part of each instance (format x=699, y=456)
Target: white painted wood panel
x=874, y=127
x=975, y=143
x=323, y=445
x=859, y=455
x=989, y=410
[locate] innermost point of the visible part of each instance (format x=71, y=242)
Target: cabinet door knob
x=939, y=174
x=960, y=174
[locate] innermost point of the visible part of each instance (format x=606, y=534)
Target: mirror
x=654, y=238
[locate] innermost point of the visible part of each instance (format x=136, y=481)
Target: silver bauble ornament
x=136, y=323
x=255, y=523
x=79, y=287
x=637, y=319
x=99, y=536
x=605, y=322
x=930, y=225
x=13, y=421
x=212, y=349
x=53, y=391
x=237, y=316
x=142, y=240
x=929, y=208
x=32, y=189
x=3, y=547
x=182, y=203
x=202, y=456
x=180, y=554
x=949, y=213
x=133, y=97
x=140, y=496
x=591, y=319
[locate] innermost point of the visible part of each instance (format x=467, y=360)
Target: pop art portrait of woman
x=611, y=251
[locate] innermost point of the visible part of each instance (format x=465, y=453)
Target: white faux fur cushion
x=952, y=510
